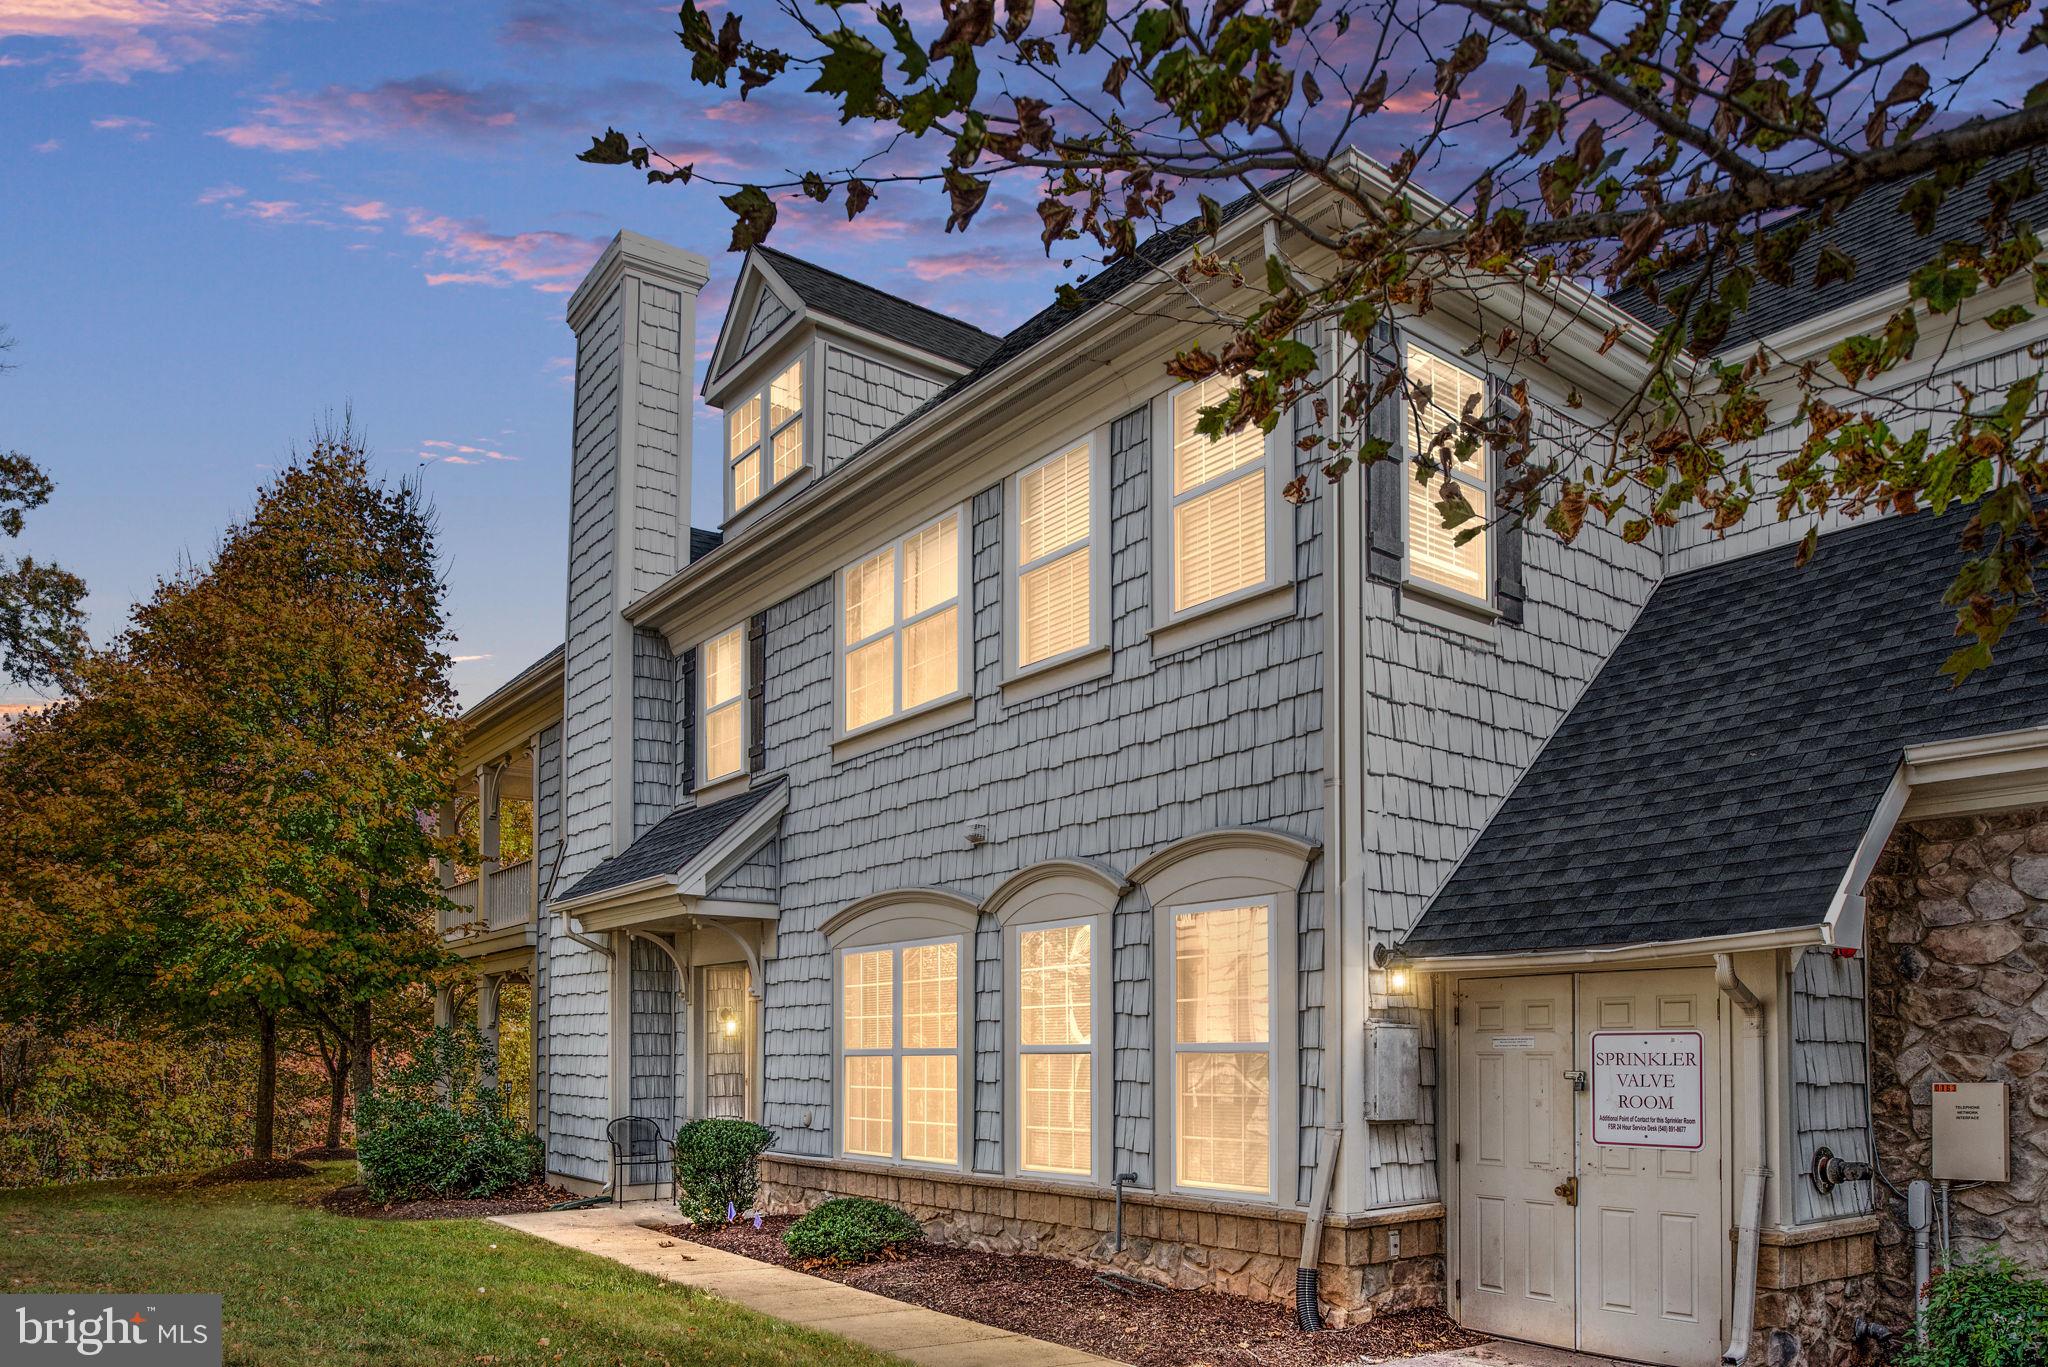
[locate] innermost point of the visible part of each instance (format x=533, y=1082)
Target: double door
x=1590, y=1205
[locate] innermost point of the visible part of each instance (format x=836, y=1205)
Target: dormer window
x=764, y=438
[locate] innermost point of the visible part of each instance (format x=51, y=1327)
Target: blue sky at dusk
x=221, y=225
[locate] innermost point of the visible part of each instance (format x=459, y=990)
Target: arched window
x=899, y=997
x=1223, y=954
x=1055, y=919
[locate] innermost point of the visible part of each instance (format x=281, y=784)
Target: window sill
x=723, y=789
x=1044, y=679
x=737, y=522
x=1203, y=625
x=932, y=717
x=1418, y=603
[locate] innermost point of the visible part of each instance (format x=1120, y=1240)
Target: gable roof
x=667, y=848
x=850, y=301
x=1719, y=773
x=703, y=542
x=1870, y=229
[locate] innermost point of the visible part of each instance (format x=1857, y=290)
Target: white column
x=487, y=1023
x=486, y=836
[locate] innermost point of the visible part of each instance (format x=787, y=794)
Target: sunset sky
x=223, y=219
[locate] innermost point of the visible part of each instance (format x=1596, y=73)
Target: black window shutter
x=757, y=693
x=1386, y=507
x=1507, y=531
x=686, y=745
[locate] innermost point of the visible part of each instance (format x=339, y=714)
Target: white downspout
x=1755, y=1173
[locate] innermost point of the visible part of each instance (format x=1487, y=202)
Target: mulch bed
x=253, y=1170
x=324, y=1155
x=1066, y=1304
x=354, y=1201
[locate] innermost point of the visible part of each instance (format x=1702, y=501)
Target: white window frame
x=1276, y=1076
x=764, y=444
x=1165, y=503
x=963, y=1131
x=1101, y=1120
x=962, y=599
x=705, y=778
x=1096, y=544
x=1482, y=487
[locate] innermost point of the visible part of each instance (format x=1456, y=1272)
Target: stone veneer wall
x=1958, y=942
x=1815, y=1288
x=1175, y=1241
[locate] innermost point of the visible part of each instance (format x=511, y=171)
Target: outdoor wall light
x=1397, y=980
x=729, y=1022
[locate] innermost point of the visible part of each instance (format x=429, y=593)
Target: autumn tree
x=42, y=620
x=222, y=825
x=1693, y=151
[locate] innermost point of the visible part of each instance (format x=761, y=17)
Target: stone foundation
x=1815, y=1288
x=1176, y=1241
x=1958, y=944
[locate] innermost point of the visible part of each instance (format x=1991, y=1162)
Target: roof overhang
x=687, y=891
x=503, y=722
x=1615, y=956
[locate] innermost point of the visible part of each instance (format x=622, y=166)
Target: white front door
x=1588, y=1155
x=1652, y=1251
x=1515, y=1259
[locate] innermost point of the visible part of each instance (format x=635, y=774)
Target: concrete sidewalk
x=908, y=1331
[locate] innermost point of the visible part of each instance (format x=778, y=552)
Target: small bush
x=718, y=1166
x=851, y=1229
x=1983, y=1313
x=435, y=1130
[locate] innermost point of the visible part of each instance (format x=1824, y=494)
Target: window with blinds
x=900, y=1040
x=764, y=437
x=721, y=666
x=1433, y=553
x=1054, y=557
x=1218, y=499
x=900, y=625
x=1223, y=1048
x=1056, y=1050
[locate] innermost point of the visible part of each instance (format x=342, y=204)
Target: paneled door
x=1515, y=1243
x=1653, y=1253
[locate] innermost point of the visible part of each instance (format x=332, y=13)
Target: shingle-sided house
x=1036, y=821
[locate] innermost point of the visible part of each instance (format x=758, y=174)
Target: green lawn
x=302, y=1285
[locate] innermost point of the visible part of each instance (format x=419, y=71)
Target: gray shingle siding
x=656, y=1071
x=1830, y=1071
x=1226, y=734
x=547, y=843
x=756, y=879
x=864, y=398
x=660, y=362
x=769, y=314
x=654, y=731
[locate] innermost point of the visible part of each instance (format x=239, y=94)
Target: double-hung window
x=901, y=625
x=1435, y=558
x=900, y=1052
x=764, y=437
x=1056, y=1034
x=1222, y=1050
x=1220, y=497
x=1056, y=531
x=721, y=670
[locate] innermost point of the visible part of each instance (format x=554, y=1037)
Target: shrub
x=436, y=1129
x=851, y=1229
x=718, y=1165
x=1983, y=1313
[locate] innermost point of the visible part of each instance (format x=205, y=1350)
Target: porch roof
x=1719, y=775
x=671, y=845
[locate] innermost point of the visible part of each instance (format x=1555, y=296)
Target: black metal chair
x=636, y=1141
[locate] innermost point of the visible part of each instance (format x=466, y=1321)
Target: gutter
x=1795, y=937
x=1757, y=1172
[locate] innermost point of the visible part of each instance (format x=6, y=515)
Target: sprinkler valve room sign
x=1650, y=1090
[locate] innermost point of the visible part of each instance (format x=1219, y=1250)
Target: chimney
x=635, y=319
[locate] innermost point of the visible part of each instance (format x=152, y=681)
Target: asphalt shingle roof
x=845, y=298
x=550, y=660
x=1870, y=229
x=1720, y=771
x=703, y=542
x=671, y=844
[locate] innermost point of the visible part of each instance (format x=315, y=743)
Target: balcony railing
x=510, y=903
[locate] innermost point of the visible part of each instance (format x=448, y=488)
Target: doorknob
x=1567, y=1190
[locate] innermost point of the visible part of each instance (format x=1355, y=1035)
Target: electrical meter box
x=1970, y=1133
x=1393, y=1071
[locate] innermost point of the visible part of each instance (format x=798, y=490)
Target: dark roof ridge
x=806, y=262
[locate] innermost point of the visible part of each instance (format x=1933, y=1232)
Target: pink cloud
x=292, y=121
x=551, y=262
x=139, y=129
x=47, y=145
x=220, y=194
x=945, y=265
x=369, y=211
x=113, y=40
